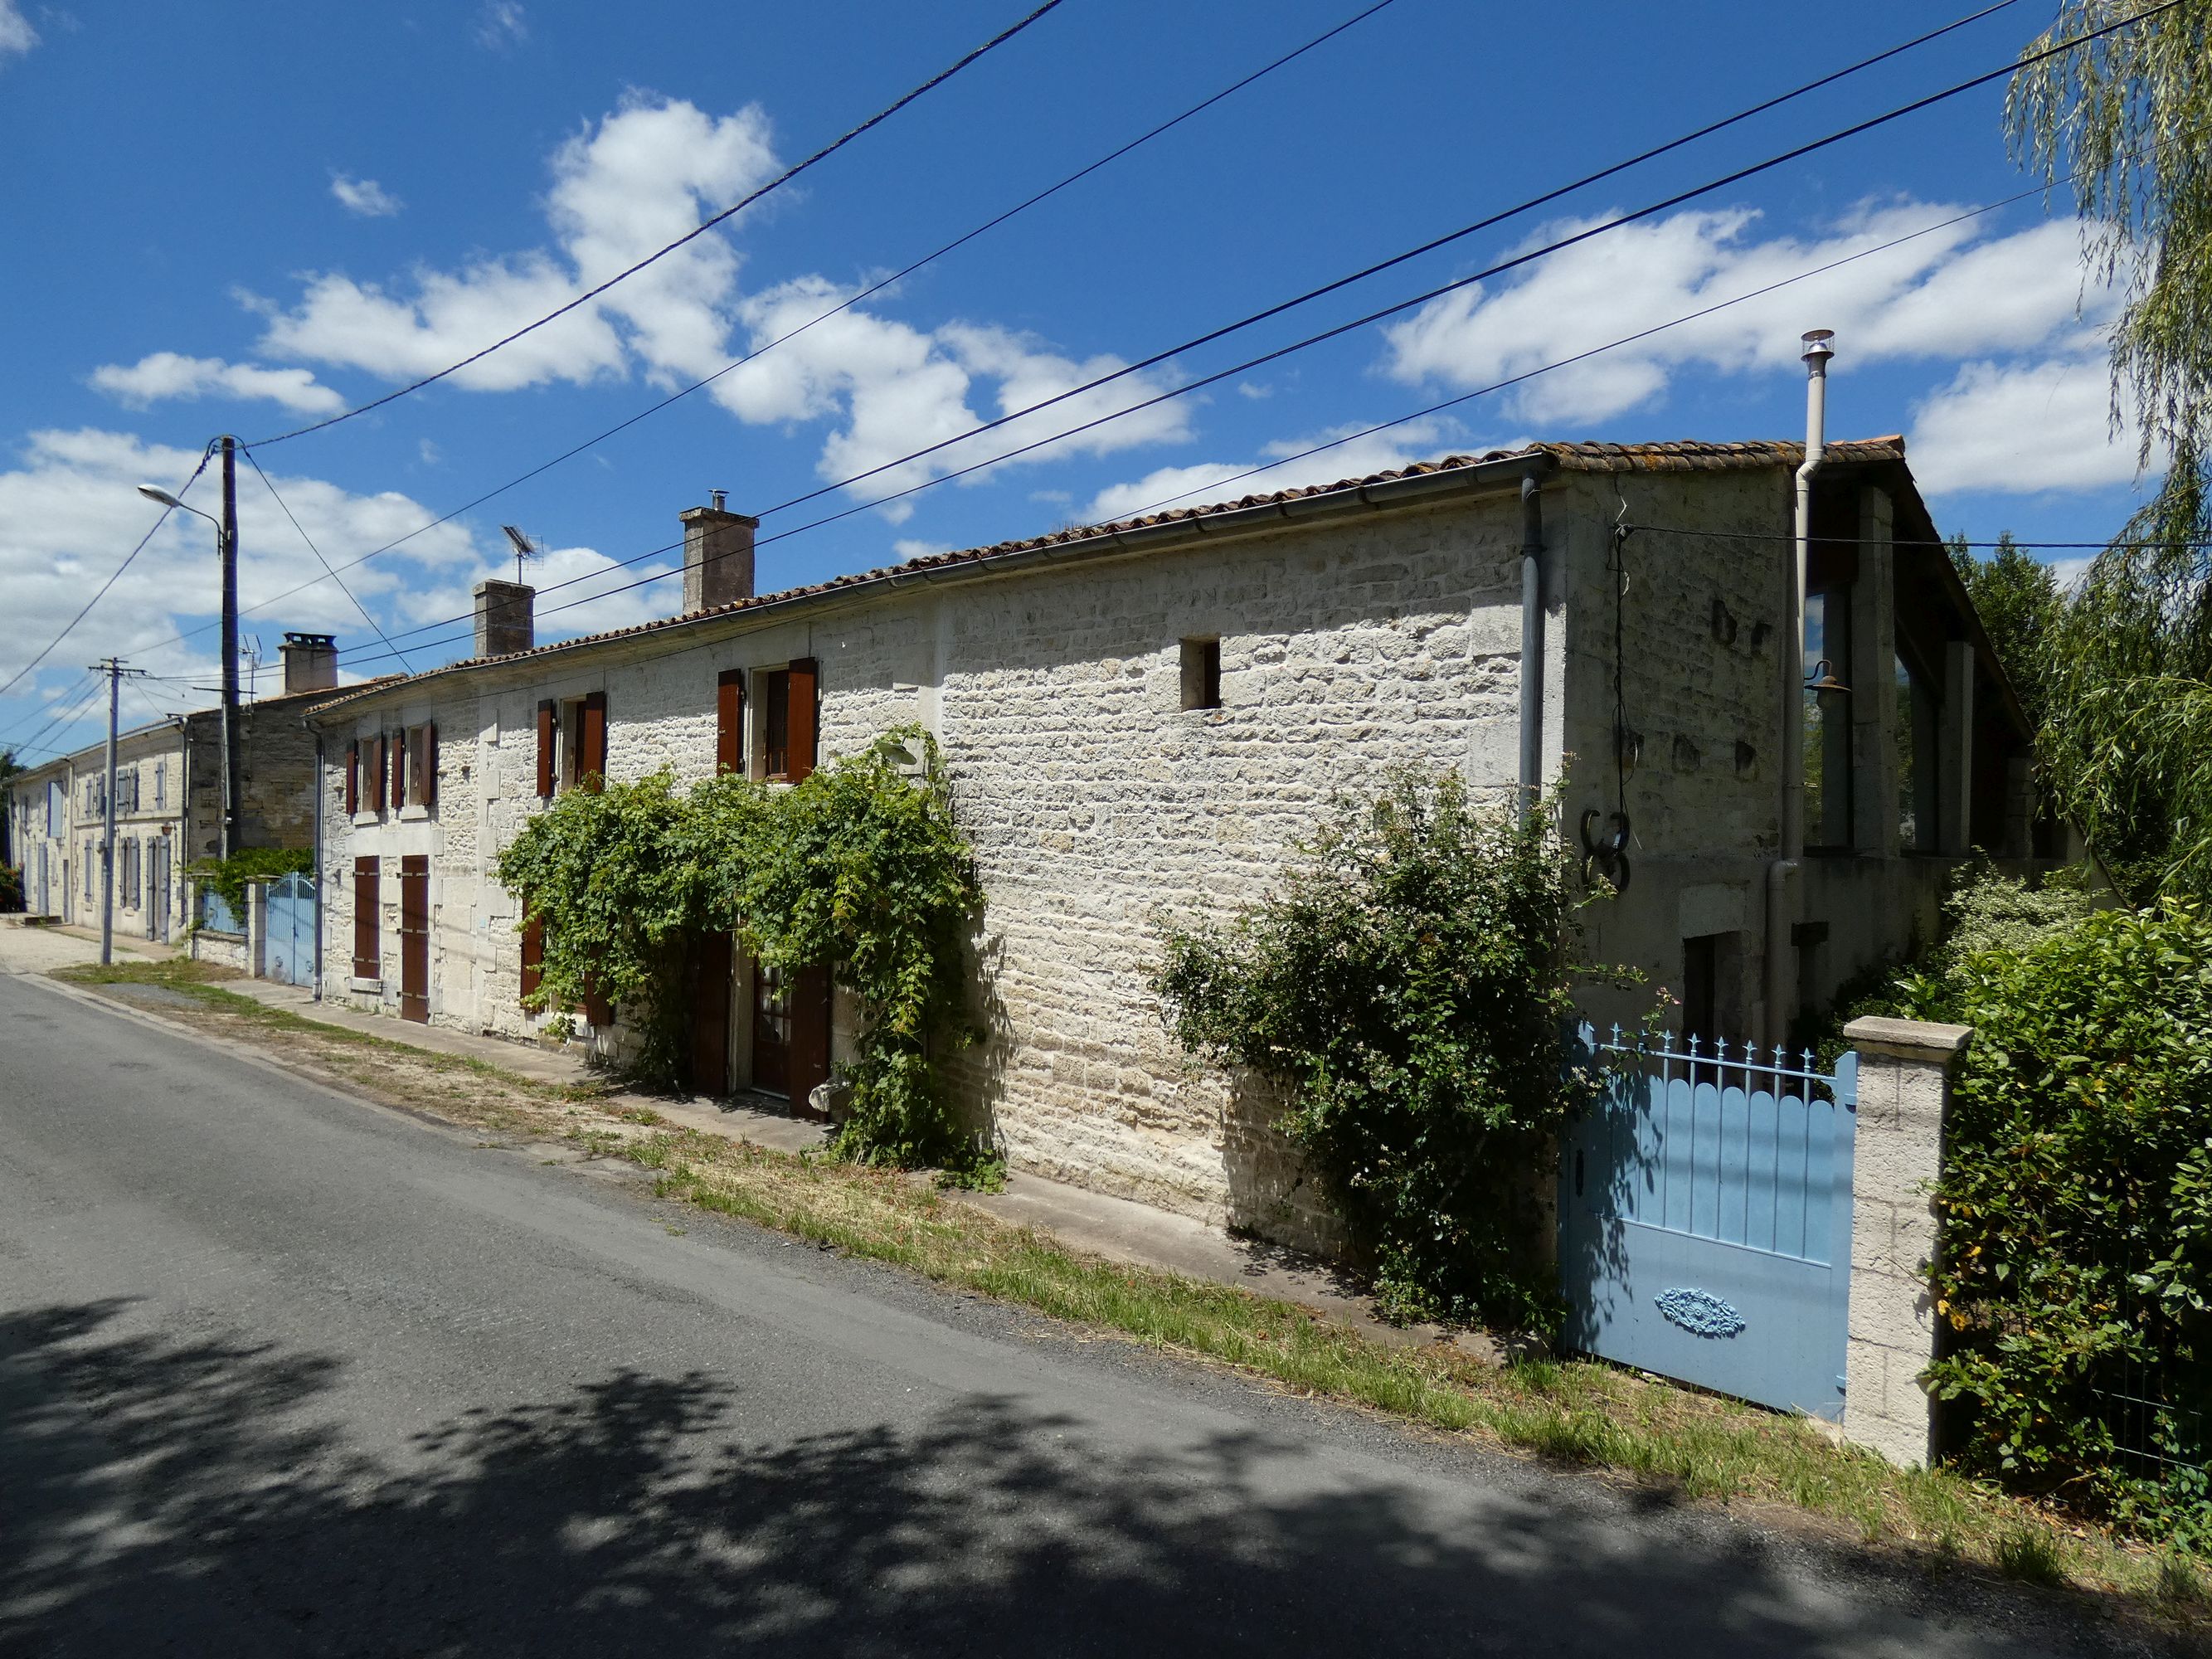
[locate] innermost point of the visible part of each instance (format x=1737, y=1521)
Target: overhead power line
x=900, y=275
x=47, y=649
x=1450, y=402
x=1488, y=222
x=69, y=715
x=697, y=230
x=326, y=563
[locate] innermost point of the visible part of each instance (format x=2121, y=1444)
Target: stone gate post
x=1904, y=1091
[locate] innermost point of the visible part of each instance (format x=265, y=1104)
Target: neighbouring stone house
x=168, y=802
x=1141, y=718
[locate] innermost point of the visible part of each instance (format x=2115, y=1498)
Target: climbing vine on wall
x=860, y=867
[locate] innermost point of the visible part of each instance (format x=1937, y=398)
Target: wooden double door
x=783, y=1022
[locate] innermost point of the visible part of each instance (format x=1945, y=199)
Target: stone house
x=1139, y=718
x=168, y=802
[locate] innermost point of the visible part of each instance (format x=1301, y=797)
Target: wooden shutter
x=730, y=720
x=353, y=777
x=591, y=743
x=810, y=1034
x=710, y=1013
x=597, y=1009
x=533, y=956
x=548, y=726
x=803, y=725
x=398, y=769
x=430, y=765
x=376, y=774
x=368, y=949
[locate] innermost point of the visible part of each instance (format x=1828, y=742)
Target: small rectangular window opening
x=775, y=723
x=1201, y=673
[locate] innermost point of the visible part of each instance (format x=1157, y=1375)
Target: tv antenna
x=525, y=550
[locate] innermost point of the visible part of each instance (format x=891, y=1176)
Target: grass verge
x=1693, y=1445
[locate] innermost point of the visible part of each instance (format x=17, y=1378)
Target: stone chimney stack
x=506, y=618
x=311, y=662
x=718, y=556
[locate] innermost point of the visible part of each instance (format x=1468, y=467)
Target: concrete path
x=284, y=1373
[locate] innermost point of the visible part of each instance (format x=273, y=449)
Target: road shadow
x=167, y=1494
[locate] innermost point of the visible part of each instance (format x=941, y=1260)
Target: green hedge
x=2075, y=1208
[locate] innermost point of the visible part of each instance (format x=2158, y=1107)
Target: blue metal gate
x=1705, y=1218
x=289, y=953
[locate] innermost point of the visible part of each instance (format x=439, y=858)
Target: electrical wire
x=697, y=230
x=47, y=649
x=1492, y=220
x=1430, y=409
x=68, y=716
x=326, y=563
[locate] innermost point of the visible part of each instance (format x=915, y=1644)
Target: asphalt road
x=281, y=1373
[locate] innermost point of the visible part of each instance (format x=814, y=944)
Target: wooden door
x=810, y=1037
x=771, y=1029
x=414, y=939
x=368, y=919
x=710, y=1014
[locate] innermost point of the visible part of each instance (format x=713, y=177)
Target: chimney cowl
x=311, y=661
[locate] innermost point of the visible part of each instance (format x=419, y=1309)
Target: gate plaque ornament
x=1699, y=1312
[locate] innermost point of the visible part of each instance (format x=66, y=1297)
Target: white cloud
x=501, y=24
x=364, y=197
x=1255, y=389
x=166, y=375
x=1354, y=454
x=2022, y=429
x=16, y=35
x=1949, y=294
x=69, y=511
x=908, y=549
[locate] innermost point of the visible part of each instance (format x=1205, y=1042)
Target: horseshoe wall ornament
x=1608, y=855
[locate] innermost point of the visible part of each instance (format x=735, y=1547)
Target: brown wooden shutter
x=533, y=956
x=592, y=743
x=548, y=725
x=398, y=769
x=598, y=1011
x=730, y=720
x=368, y=950
x=353, y=777
x=710, y=1013
x=430, y=765
x=810, y=1033
x=803, y=725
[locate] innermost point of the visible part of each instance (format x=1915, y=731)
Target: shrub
x=229, y=877
x=2075, y=1208
x=860, y=867
x=1406, y=988
x=11, y=887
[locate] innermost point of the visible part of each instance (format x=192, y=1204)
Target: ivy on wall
x=230, y=877
x=1407, y=989
x=859, y=867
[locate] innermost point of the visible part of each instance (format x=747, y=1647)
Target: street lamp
x=225, y=544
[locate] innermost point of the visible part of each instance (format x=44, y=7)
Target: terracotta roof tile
x=1689, y=456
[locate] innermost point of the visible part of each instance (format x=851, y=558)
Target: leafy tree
x=2125, y=123
x=2020, y=604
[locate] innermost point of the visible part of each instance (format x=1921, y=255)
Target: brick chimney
x=311, y=661
x=506, y=618
x=718, y=556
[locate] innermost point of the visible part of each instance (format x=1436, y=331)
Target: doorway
x=791, y=1034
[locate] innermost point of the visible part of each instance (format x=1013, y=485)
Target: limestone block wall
x=1098, y=805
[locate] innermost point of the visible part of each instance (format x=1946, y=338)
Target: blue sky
x=238, y=218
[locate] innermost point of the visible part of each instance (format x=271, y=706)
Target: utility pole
x=229, y=551
x=115, y=671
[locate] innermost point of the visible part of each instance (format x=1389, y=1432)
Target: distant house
x=1147, y=714
x=168, y=802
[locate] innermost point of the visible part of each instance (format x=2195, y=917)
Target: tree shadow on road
x=194, y=1495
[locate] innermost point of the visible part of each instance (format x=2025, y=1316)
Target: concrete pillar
x=257, y=929
x=2019, y=808
x=1874, y=680
x=1904, y=1069
x=1954, y=772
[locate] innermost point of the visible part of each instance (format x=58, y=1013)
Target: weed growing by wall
x=1407, y=989
x=860, y=867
